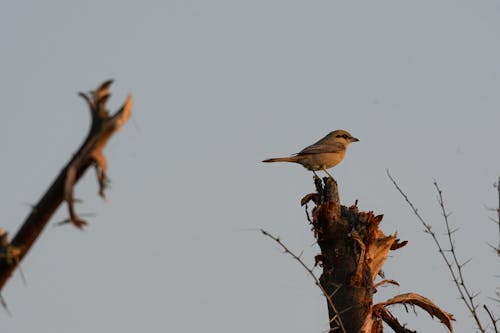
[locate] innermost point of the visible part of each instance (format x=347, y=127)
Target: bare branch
x=460, y=282
x=457, y=276
x=311, y=273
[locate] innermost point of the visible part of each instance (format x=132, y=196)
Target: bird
x=322, y=155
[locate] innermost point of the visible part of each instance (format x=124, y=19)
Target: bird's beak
x=354, y=139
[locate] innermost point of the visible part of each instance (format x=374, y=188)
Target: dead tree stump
x=353, y=250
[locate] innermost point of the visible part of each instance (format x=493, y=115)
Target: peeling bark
x=103, y=126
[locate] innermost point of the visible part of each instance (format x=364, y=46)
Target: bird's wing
x=323, y=147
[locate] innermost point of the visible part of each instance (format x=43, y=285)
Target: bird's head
x=343, y=136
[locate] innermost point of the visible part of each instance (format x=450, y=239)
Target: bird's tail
x=282, y=159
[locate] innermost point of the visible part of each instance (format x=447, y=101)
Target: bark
x=103, y=126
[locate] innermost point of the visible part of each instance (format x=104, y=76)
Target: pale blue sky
x=219, y=86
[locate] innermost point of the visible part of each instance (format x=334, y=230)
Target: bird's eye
x=345, y=136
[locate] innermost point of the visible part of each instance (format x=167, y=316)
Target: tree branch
x=102, y=127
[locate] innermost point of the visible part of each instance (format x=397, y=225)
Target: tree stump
x=353, y=250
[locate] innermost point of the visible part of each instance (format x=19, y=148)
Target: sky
x=219, y=86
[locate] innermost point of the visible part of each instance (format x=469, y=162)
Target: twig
x=311, y=273
x=497, y=221
x=386, y=281
x=498, y=213
x=493, y=320
x=466, y=297
x=4, y=305
x=307, y=214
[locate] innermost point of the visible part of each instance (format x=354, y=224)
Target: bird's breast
x=322, y=161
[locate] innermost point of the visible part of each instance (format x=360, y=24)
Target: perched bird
x=324, y=154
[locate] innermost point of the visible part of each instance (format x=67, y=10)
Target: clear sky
x=219, y=86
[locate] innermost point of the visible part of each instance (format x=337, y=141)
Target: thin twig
x=493, y=320
x=307, y=214
x=497, y=221
x=311, y=273
x=498, y=213
x=466, y=297
x=4, y=305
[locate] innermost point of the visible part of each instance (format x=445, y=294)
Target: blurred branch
x=102, y=127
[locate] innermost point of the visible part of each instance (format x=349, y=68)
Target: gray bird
x=324, y=154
